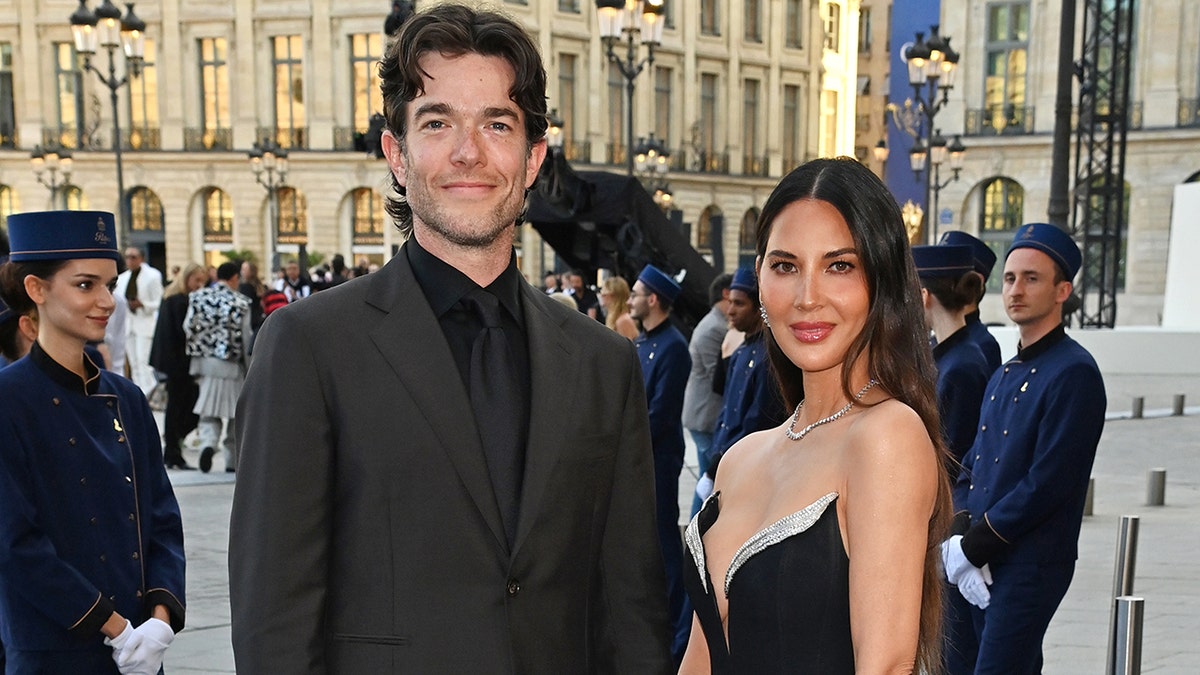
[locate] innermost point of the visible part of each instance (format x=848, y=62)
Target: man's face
x=742, y=313
x=1030, y=293
x=551, y=281
x=465, y=161
x=133, y=258
x=293, y=271
x=639, y=301
x=576, y=282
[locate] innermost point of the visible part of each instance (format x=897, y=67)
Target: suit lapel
x=553, y=364
x=411, y=340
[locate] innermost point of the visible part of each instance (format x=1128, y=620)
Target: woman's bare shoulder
x=887, y=432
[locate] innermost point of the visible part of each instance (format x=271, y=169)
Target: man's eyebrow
x=432, y=109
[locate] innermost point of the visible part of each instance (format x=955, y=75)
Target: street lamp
x=55, y=162
x=633, y=20
x=554, y=131
x=932, y=67
x=651, y=162
x=110, y=30
x=269, y=163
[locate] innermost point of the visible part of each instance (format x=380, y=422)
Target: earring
x=762, y=311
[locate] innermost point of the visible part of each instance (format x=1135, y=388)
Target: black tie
x=495, y=397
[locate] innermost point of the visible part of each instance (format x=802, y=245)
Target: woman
x=818, y=551
x=91, y=542
x=169, y=356
x=614, y=299
x=252, y=287
x=949, y=284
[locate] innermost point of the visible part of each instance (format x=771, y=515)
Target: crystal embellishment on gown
x=785, y=527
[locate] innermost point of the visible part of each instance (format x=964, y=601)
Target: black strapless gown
x=789, y=595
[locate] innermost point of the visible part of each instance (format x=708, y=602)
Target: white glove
x=704, y=487
x=974, y=586
x=142, y=653
x=954, y=561
x=119, y=642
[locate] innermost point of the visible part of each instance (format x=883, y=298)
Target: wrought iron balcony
x=999, y=120
x=207, y=139
x=1189, y=112
x=142, y=138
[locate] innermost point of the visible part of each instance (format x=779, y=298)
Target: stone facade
x=732, y=49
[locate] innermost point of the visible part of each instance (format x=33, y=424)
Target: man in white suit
x=142, y=286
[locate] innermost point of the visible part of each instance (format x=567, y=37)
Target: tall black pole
x=113, y=85
x=1058, y=210
x=629, y=118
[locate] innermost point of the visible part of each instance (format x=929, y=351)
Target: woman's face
x=197, y=280
x=76, y=302
x=813, y=286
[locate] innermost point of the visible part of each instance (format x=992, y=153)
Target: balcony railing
x=207, y=139
x=8, y=136
x=707, y=161
x=753, y=165
x=144, y=138
x=289, y=139
x=1189, y=112
x=349, y=138
x=1134, y=115
x=577, y=151
x=614, y=153
x=999, y=120
x=60, y=138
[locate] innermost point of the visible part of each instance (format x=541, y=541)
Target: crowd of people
x=442, y=468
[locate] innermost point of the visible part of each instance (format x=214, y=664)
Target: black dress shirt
x=444, y=286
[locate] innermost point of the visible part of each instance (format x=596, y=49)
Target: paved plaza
x=1168, y=547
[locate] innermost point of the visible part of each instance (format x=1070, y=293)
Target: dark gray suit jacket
x=365, y=535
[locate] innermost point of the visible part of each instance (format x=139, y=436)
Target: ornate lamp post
x=651, y=163
x=269, y=163
x=53, y=169
x=932, y=66
x=631, y=20
x=110, y=30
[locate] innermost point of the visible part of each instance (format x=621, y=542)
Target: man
x=292, y=285
x=752, y=399
x=984, y=260
x=665, y=366
x=218, y=332
x=1021, y=492
x=702, y=405
x=410, y=496
x=142, y=287
x=585, y=298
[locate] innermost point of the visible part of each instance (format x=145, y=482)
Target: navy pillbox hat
x=1053, y=242
x=943, y=260
x=744, y=280
x=62, y=235
x=984, y=256
x=659, y=282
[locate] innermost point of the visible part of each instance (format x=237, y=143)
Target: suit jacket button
x=514, y=587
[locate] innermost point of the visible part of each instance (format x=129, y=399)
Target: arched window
x=293, y=216
x=8, y=204
x=746, y=237
x=704, y=229
x=73, y=197
x=1001, y=212
x=367, y=218
x=217, y=217
x=145, y=210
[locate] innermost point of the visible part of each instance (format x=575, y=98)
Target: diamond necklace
x=791, y=432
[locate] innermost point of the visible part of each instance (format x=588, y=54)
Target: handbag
x=158, y=397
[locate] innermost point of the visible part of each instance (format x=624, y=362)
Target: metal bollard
x=1177, y=409
x=1156, y=487
x=1090, y=499
x=1122, y=577
x=1127, y=645
x=1139, y=407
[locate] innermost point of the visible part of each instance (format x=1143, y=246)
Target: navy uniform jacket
x=962, y=377
x=666, y=364
x=752, y=401
x=88, y=520
x=1021, y=492
x=985, y=340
